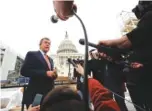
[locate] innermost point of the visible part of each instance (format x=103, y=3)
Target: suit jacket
x=35, y=67
x=97, y=67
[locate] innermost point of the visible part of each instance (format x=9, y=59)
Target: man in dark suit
x=40, y=68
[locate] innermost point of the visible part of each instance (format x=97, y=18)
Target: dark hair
x=44, y=38
x=62, y=98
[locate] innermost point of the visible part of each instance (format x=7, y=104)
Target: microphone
x=81, y=41
x=72, y=62
x=113, y=52
x=54, y=19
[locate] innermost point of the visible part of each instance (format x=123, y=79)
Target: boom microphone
x=113, y=52
x=81, y=41
x=54, y=19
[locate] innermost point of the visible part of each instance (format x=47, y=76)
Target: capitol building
x=65, y=50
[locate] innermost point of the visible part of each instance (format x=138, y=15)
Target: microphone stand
x=85, y=95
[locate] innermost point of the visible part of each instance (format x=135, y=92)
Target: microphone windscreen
x=81, y=41
x=54, y=19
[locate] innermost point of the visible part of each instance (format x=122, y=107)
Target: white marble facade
x=65, y=50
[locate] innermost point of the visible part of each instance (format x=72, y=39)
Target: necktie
x=47, y=61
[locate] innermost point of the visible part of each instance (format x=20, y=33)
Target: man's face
x=45, y=45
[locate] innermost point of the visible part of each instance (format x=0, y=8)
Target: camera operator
x=132, y=78
x=96, y=66
x=110, y=75
x=114, y=80
x=139, y=40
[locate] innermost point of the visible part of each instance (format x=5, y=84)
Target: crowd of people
x=107, y=80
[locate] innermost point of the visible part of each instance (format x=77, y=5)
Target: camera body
x=95, y=66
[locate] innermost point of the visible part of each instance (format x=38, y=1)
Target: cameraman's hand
x=80, y=69
x=63, y=8
x=34, y=108
x=122, y=42
x=136, y=65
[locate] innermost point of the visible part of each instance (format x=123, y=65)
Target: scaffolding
x=127, y=22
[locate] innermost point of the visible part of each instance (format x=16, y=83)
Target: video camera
x=78, y=61
x=142, y=8
x=74, y=62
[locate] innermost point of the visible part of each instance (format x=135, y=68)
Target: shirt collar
x=42, y=52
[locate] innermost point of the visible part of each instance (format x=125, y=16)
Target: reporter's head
x=62, y=99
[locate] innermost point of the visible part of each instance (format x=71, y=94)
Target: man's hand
x=136, y=65
x=80, y=69
x=35, y=108
x=50, y=73
x=63, y=9
x=55, y=74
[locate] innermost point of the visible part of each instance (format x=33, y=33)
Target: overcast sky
x=24, y=22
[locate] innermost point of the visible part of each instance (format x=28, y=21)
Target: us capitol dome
x=66, y=46
x=66, y=50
